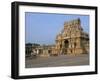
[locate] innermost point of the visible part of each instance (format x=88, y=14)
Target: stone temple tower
x=72, y=39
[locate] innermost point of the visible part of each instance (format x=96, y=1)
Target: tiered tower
x=72, y=39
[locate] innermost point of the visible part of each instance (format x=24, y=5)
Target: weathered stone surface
x=72, y=39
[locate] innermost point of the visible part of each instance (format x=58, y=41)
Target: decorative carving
x=77, y=39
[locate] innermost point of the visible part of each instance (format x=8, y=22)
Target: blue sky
x=42, y=28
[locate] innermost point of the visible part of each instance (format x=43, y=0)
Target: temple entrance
x=66, y=45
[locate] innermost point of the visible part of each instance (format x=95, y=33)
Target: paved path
x=63, y=60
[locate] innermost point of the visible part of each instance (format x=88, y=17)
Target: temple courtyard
x=55, y=61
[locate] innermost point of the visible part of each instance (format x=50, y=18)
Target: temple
x=71, y=40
